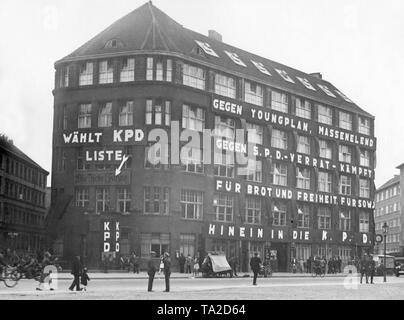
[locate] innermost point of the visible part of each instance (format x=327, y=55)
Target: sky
x=358, y=45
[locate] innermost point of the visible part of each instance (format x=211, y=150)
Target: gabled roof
x=149, y=29
x=9, y=147
x=389, y=183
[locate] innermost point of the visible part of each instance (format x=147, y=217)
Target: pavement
x=119, y=275
x=233, y=289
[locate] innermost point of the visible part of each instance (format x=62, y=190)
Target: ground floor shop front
x=116, y=237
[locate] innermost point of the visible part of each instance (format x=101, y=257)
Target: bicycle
x=318, y=271
x=10, y=277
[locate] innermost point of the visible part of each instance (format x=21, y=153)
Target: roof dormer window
x=344, y=96
x=284, y=75
x=326, y=90
x=114, y=43
x=306, y=83
x=207, y=48
x=261, y=67
x=235, y=58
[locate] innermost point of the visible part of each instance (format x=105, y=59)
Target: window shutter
x=211, y=81
x=240, y=89
x=268, y=102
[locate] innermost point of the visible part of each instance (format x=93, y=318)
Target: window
x=345, y=220
x=157, y=156
x=128, y=70
x=82, y=197
x=363, y=221
x=224, y=165
x=187, y=244
x=325, y=149
x=106, y=72
x=105, y=115
x=324, y=181
x=345, y=120
x=158, y=243
x=235, y=58
x=279, y=174
x=254, y=93
x=225, y=86
x=191, y=160
x=345, y=187
x=303, y=108
x=192, y=204
x=365, y=158
x=279, y=139
x=123, y=200
x=254, y=170
x=126, y=114
x=223, y=207
x=253, y=210
x=326, y=90
x=261, y=67
x=225, y=127
x=306, y=83
x=159, y=71
x=86, y=74
x=207, y=48
x=303, y=178
x=279, y=214
x=102, y=200
x=364, y=188
x=364, y=126
x=324, y=218
x=85, y=116
x=64, y=117
x=158, y=112
x=169, y=73
x=81, y=163
x=156, y=200
x=255, y=133
x=64, y=77
x=193, y=118
x=194, y=77
x=303, y=216
x=149, y=69
x=345, y=154
x=303, y=144
x=324, y=114
x=279, y=101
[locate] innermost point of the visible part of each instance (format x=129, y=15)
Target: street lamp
x=385, y=231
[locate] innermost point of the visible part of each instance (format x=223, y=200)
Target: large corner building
x=309, y=192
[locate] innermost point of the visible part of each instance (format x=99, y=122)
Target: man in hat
x=151, y=271
x=77, y=269
x=167, y=270
x=255, y=264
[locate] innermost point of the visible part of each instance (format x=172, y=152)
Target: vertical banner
x=111, y=236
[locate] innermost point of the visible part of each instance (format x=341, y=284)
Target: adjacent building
x=308, y=190
x=389, y=202
x=22, y=200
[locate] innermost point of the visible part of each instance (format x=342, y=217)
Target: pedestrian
x=84, y=279
x=161, y=267
x=255, y=264
x=339, y=264
x=181, y=262
x=372, y=267
x=45, y=274
x=167, y=270
x=233, y=265
x=188, y=264
x=151, y=271
x=364, y=266
x=196, y=267
x=76, y=272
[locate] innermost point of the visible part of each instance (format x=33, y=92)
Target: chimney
x=317, y=75
x=215, y=35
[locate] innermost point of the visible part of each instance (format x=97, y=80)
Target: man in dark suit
x=255, y=264
x=76, y=272
x=364, y=267
x=167, y=270
x=151, y=271
x=372, y=267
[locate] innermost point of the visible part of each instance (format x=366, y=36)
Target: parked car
x=399, y=266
